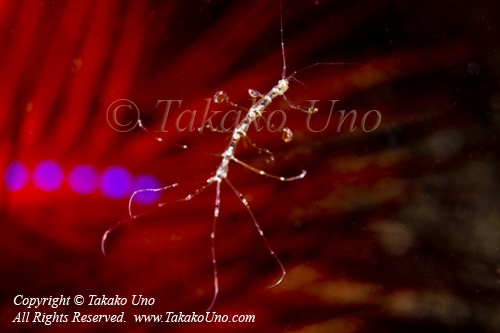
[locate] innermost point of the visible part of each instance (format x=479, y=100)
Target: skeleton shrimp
x=221, y=175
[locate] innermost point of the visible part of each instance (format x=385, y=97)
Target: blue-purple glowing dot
x=115, y=182
x=48, y=175
x=16, y=176
x=83, y=179
x=147, y=181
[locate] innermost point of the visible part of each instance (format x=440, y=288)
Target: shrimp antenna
x=283, y=74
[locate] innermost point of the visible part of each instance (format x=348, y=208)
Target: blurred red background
x=391, y=230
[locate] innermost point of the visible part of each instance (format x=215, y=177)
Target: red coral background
x=391, y=230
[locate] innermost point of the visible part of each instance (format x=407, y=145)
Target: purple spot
x=115, y=182
x=147, y=181
x=48, y=175
x=83, y=179
x=16, y=176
